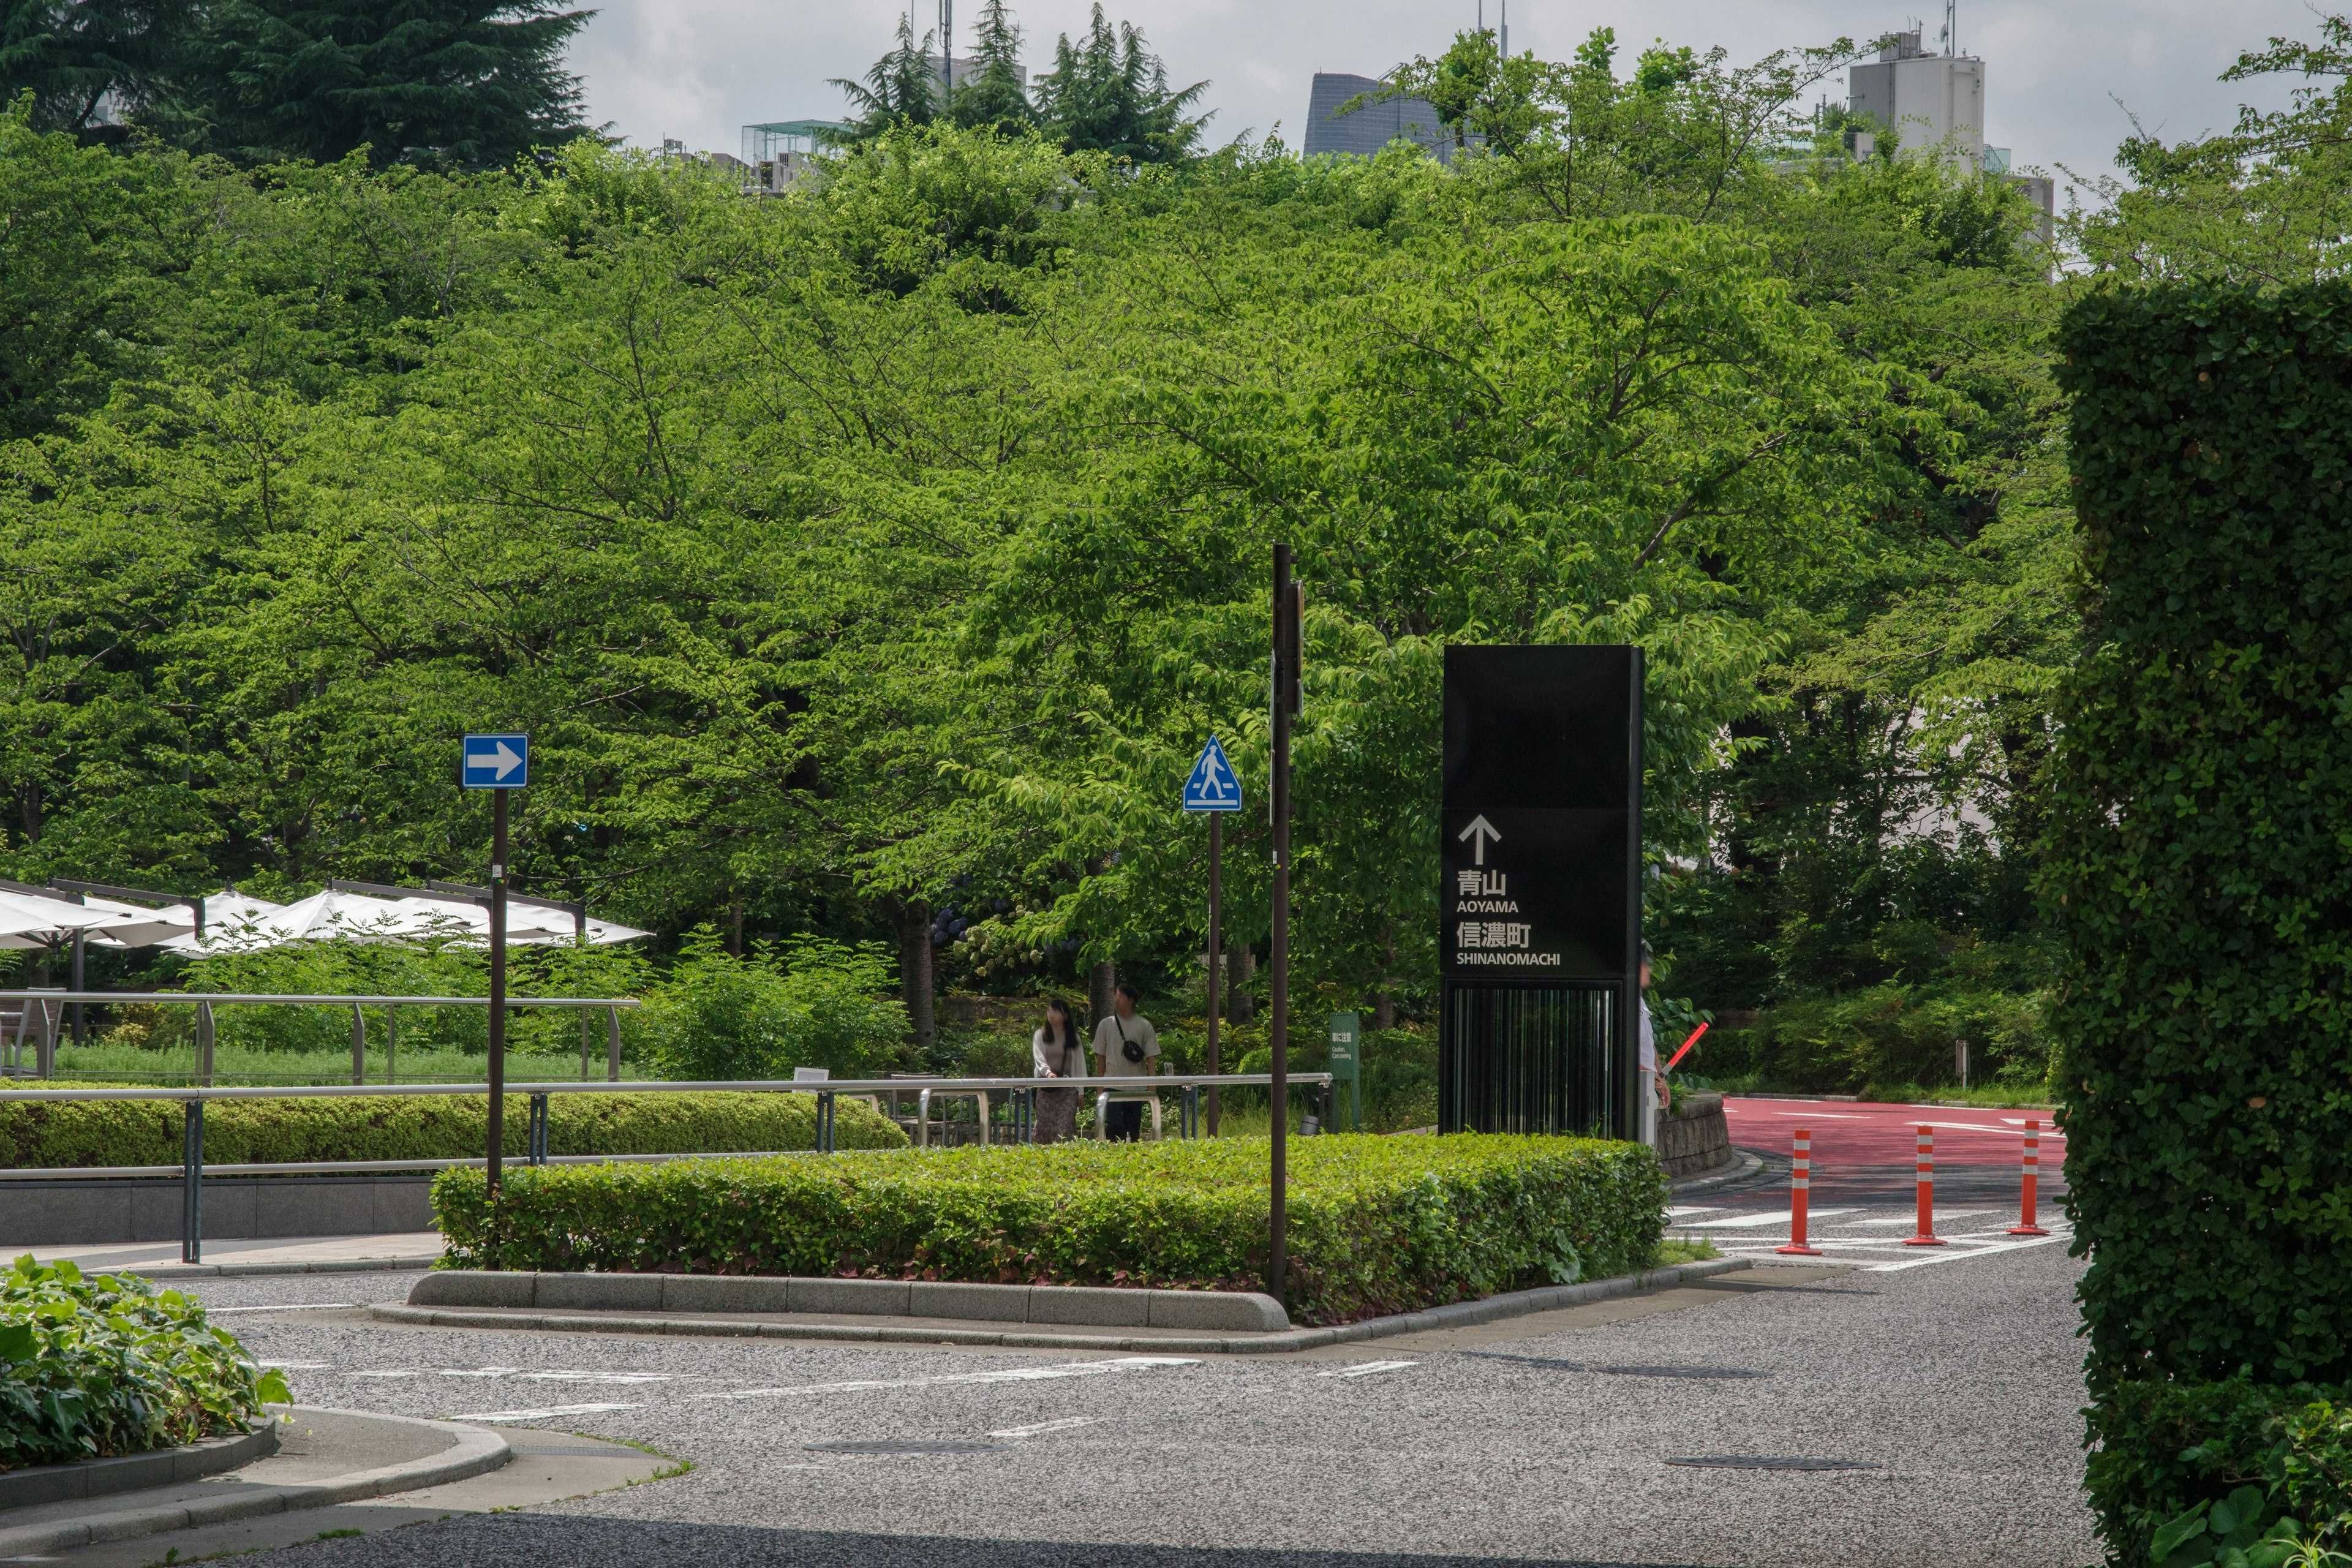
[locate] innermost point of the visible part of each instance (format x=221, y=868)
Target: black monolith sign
x=1541, y=943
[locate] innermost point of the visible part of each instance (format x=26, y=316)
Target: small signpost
x=1215, y=790
x=1347, y=1039
x=497, y=763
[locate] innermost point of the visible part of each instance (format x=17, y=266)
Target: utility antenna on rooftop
x=1951, y=26
x=946, y=50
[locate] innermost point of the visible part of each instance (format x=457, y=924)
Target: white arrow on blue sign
x=1212, y=786
x=496, y=762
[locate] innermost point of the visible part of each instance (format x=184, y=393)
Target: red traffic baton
x=1926, y=1172
x=1679, y=1055
x=1801, y=1177
x=2030, y=1182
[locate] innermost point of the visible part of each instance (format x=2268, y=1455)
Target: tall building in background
x=1934, y=102
x=1925, y=101
x=1366, y=131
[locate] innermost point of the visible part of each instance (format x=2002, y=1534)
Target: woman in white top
x=1058, y=1052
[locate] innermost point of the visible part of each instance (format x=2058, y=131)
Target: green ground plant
x=1377, y=1225
x=94, y=1365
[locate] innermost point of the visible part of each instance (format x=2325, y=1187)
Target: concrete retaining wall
x=94, y=1211
x=1694, y=1136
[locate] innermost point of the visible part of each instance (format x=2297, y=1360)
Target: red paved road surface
x=1863, y=1153
x=1846, y=1133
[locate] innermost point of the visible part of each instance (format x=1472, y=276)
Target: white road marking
x=480, y=1372
x=1778, y=1217
x=1366, y=1369
x=600, y=1376
x=1042, y=1428
x=388, y=1372
x=541, y=1414
x=1007, y=1374
x=2018, y=1245
x=287, y=1365
x=285, y=1307
x=1941, y=1216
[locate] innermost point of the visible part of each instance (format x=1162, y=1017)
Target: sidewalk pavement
x=254, y=1255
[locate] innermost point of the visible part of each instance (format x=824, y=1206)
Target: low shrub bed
x=2181, y=1472
x=47, y=1134
x=93, y=1365
x=1377, y=1225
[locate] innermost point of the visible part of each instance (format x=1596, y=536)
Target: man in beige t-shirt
x=1128, y=1046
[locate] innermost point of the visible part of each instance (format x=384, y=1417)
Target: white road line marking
x=388, y=1372
x=1042, y=1428
x=600, y=1376
x=285, y=1307
x=287, y=1365
x=1367, y=1368
x=480, y=1372
x=1007, y=1374
x=1779, y=1217
x=542, y=1414
x=1941, y=1216
x=2018, y=1246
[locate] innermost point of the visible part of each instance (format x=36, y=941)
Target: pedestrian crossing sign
x=1212, y=786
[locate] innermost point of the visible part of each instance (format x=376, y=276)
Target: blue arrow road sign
x=496, y=762
x=1212, y=786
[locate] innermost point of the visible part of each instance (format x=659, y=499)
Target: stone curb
x=475, y=1451
x=219, y=1271
x=1747, y=1166
x=1461, y=1314
x=1021, y=1307
x=42, y=1484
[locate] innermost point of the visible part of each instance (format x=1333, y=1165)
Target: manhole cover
x=1680, y=1371
x=1769, y=1462
x=906, y=1445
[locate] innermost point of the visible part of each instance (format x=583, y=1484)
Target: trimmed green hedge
x=2164, y=1449
x=2198, y=865
x=1377, y=1225
x=99, y=1364
x=47, y=1134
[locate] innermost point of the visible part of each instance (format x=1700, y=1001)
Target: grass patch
x=1671, y=1252
x=238, y=1064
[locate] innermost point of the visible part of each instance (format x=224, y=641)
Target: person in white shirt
x=1058, y=1052
x=1654, y=1095
x=1129, y=1048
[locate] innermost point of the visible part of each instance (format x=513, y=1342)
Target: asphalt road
x=1545, y=1440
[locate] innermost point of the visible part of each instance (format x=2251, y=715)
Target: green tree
x=442, y=82
x=1109, y=93
x=901, y=89
x=88, y=62
x=992, y=97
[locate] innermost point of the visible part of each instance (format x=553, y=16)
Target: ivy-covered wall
x=2201, y=865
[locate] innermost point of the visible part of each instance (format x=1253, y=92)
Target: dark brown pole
x=1216, y=953
x=497, y=997
x=1286, y=675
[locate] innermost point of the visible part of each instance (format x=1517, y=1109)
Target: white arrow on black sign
x=1485, y=833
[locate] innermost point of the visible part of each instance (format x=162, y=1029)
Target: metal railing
x=191, y=1170
x=44, y=1043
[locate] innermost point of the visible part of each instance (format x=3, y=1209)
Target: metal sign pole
x=498, y=994
x=1286, y=675
x=1216, y=955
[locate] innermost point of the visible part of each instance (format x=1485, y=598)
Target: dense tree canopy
x=873, y=558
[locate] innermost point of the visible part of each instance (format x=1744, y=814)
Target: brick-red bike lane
x=1863, y=1153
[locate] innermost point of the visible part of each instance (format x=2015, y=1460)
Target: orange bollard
x=1926, y=1170
x=1801, y=1177
x=2025, y=1225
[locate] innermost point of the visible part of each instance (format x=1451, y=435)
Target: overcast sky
x=700, y=70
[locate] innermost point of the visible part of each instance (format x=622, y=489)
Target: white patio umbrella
x=28, y=920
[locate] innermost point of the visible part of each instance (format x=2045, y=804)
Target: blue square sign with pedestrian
x=496, y=762
x=1212, y=786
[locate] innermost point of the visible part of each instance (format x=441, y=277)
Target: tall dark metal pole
x=1285, y=676
x=1216, y=947
x=497, y=998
